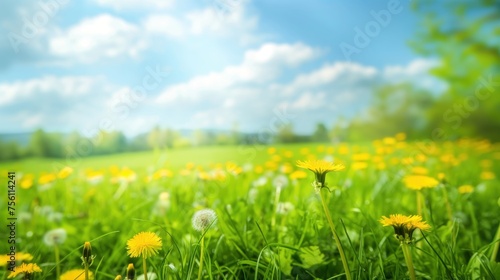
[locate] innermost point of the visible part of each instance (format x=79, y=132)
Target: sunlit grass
x=270, y=221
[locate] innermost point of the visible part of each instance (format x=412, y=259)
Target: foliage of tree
x=320, y=134
x=464, y=37
x=395, y=108
x=44, y=144
x=10, y=151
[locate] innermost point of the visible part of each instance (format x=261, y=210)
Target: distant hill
x=22, y=139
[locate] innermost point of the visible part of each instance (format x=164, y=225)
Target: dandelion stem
x=58, y=266
x=419, y=203
x=144, y=267
x=86, y=270
x=494, y=252
x=447, y=203
x=276, y=202
x=336, y=237
x=408, y=259
x=200, y=271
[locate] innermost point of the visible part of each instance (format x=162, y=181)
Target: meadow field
x=270, y=221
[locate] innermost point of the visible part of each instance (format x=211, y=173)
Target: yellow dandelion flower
x=286, y=168
x=442, y=177
x=271, y=165
x=76, y=274
x=381, y=166
x=162, y=173
x=258, y=169
x=404, y=226
x=304, y=151
x=343, y=150
x=320, y=168
x=233, y=168
x=46, y=179
x=65, y=172
x=144, y=244
x=421, y=157
x=298, y=174
x=465, y=189
x=407, y=160
x=487, y=175
x=127, y=175
x=271, y=150
x=359, y=165
x=419, y=170
x=361, y=157
x=401, y=136
x=276, y=158
x=26, y=181
x=389, y=141
x=29, y=268
x=418, y=182
x=19, y=256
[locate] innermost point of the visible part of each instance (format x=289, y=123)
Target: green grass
x=250, y=240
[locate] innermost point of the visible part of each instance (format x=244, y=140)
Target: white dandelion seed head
x=280, y=181
x=328, y=158
x=203, y=219
x=247, y=167
x=55, y=237
x=252, y=195
x=284, y=208
x=164, y=199
x=261, y=181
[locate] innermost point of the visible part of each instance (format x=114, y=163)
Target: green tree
x=285, y=134
x=463, y=36
x=44, y=144
x=395, y=108
x=10, y=151
x=109, y=142
x=39, y=144
x=320, y=134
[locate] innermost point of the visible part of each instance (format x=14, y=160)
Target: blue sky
x=133, y=64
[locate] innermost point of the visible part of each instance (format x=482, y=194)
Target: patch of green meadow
x=271, y=223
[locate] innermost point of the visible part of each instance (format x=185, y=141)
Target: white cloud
x=255, y=94
x=259, y=66
x=164, y=25
x=136, y=4
x=103, y=36
x=416, y=72
x=224, y=20
x=58, y=102
x=250, y=92
x=332, y=74
x=50, y=87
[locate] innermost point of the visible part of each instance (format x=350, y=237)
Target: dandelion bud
x=118, y=277
x=203, y=219
x=87, y=257
x=130, y=272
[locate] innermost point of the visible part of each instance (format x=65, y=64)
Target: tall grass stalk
x=202, y=245
x=336, y=237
